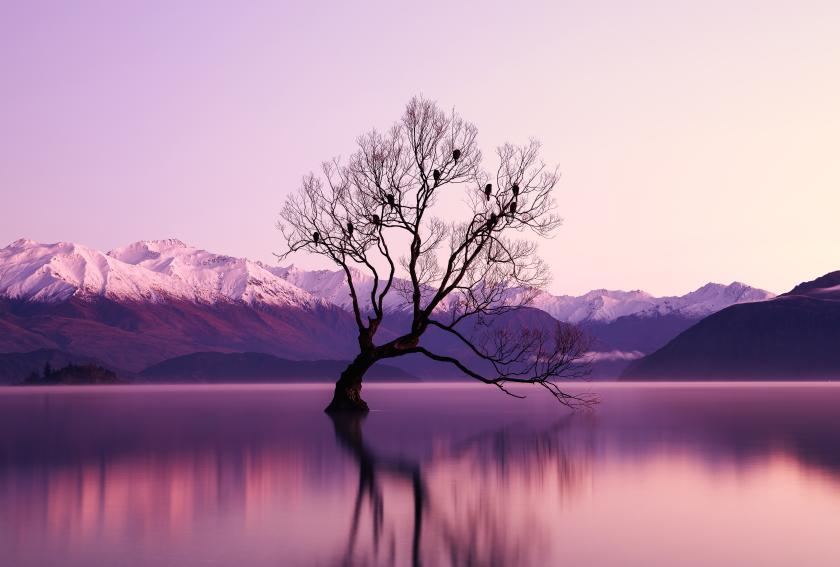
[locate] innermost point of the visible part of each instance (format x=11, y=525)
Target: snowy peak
x=331, y=285
x=604, y=306
x=325, y=284
x=713, y=297
x=22, y=243
x=597, y=306
x=146, y=249
x=157, y=270
x=143, y=271
x=55, y=272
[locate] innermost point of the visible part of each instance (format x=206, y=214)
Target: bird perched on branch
x=376, y=220
x=316, y=237
x=436, y=175
x=390, y=198
x=515, y=190
x=456, y=154
x=488, y=189
x=349, y=229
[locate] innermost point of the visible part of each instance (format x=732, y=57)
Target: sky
x=698, y=141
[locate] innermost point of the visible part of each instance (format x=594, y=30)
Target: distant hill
x=257, y=367
x=793, y=336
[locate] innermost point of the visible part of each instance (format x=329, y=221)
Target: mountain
x=628, y=325
x=152, y=300
x=331, y=286
x=793, y=336
x=606, y=306
x=257, y=367
x=597, y=306
x=625, y=325
x=146, y=271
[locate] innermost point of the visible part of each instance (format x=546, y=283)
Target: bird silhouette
x=488, y=189
x=436, y=175
x=349, y=229
x=515, y=190
x=316, y=237
x=456, y=154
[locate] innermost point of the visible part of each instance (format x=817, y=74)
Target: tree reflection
x=459, y=512
x=348, y=430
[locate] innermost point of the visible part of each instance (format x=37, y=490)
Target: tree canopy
x=374, y=213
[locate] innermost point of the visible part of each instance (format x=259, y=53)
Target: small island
x=72, y=374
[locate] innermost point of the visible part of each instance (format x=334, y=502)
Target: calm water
x=658, y=475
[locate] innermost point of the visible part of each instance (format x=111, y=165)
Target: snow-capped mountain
x=151, y=300
x=154, y=270
x=157, y=270
x=331, y=285
x=605, y=306
x=600, y=305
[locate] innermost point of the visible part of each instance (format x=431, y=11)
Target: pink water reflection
x=440, y=476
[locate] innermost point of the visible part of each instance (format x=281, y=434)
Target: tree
x=454, y=275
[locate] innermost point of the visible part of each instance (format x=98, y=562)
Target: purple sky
x=698, y=141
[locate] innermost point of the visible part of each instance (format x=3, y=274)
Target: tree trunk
x=348, y=388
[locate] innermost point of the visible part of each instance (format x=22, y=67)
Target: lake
x=656, y=475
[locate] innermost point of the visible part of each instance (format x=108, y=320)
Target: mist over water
x=657, y=475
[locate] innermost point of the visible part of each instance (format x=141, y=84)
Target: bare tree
x=453, y=275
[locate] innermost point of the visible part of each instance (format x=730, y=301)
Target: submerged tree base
x=347, y=398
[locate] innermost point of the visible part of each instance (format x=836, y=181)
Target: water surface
x=658, y=475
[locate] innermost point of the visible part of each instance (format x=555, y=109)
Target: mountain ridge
x=157, y=270
x=795, y=335
x=599, y=305
x=151, y=300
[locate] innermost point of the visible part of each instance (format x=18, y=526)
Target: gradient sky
x=698, y=140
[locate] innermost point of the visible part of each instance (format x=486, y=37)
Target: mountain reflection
x=456, y=476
